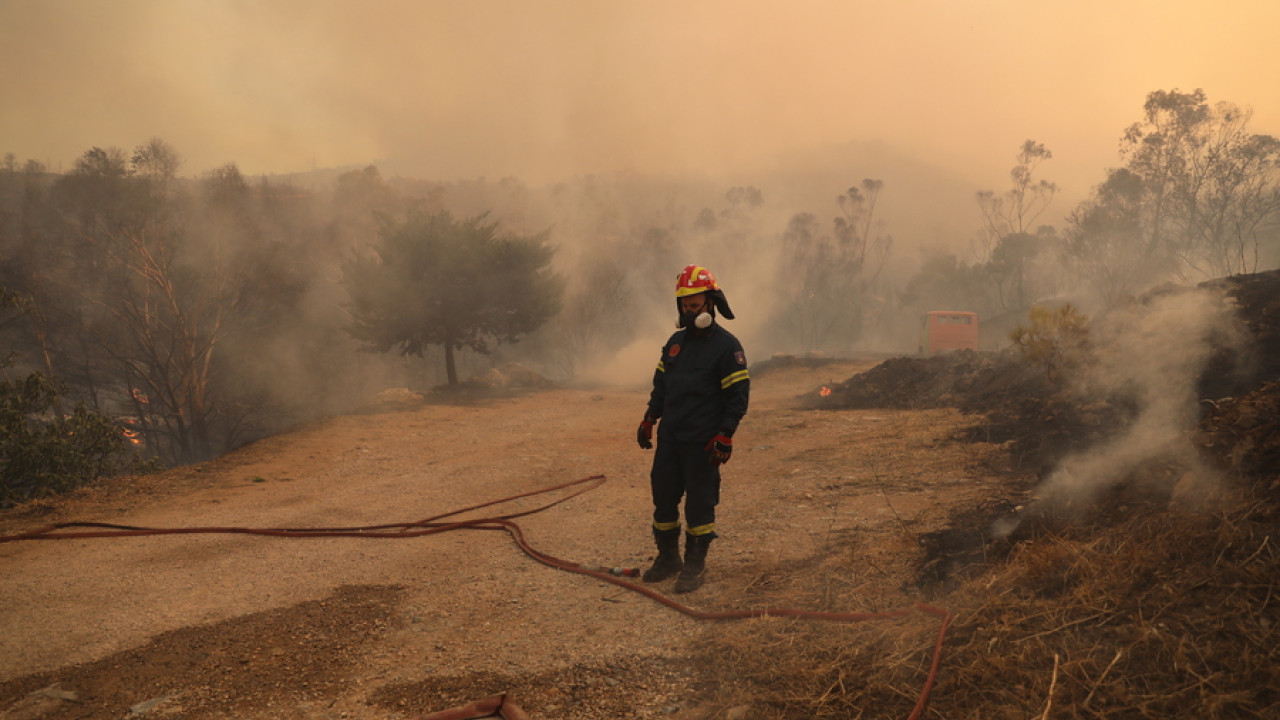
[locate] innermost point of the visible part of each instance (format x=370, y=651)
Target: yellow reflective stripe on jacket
x=733, y=379
x=702, y=529
x=661, y=367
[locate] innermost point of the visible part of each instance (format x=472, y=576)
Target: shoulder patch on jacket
x=674, y=350
x=741, y=357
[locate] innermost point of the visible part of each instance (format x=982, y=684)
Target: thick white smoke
x=1154, y=353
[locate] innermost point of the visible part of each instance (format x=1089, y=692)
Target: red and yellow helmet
x=696, y=279
x=693, y=280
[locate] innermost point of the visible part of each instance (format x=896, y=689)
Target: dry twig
x=1096, y=683
x=1053, y=684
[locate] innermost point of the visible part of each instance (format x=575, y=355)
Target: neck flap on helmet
x=695, y=279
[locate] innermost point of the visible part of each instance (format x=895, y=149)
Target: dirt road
x=218, y=626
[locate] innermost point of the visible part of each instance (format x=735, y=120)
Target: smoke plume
x=1153, y=355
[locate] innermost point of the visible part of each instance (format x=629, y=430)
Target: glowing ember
x=825, y=391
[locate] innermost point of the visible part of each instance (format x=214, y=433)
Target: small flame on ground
x=825, y=391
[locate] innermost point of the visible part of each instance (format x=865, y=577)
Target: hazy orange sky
x=543, y=89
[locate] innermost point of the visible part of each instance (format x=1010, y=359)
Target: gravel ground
x=244, y=626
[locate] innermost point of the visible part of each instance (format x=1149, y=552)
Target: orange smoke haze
x=549, y=89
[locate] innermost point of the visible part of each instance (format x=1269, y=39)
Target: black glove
x=719, y=449
x=644, y=434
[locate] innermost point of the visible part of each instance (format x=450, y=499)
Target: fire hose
x=437, y=524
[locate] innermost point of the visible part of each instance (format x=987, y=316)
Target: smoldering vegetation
x=202, y=313
x=1127, y=568
x=1156, y=395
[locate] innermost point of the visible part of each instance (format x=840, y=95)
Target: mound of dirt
x=966, y=379
x=784, y=361
x=1021, y=407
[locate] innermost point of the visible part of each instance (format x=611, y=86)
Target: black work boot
x=695, y=561
x=668, y=561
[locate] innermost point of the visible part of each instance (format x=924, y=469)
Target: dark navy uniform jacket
x=701, y=385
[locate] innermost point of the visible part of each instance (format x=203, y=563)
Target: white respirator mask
x=701, y=322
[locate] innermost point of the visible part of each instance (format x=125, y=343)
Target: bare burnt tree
x=1016, y=210
x=827, y=277
x=861, y=250
x=137, y=288
x=157, y=318
x=1010, y=244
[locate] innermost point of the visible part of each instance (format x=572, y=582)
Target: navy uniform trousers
x=680, y=469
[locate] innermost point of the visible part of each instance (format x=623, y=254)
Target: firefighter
x=700, y=391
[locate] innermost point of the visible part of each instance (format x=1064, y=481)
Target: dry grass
x=1162, y=614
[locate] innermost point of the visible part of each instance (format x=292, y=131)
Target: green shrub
x=44, y=451
x=1056, y=340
